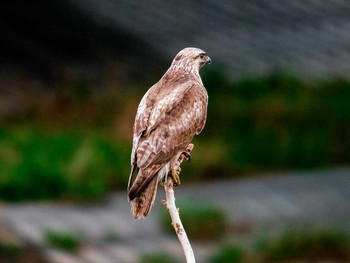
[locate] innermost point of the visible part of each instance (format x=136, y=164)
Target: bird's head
x=191, y=59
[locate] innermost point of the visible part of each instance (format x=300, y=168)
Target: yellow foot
x=176, y=169
x=175, y=174
x=186, y=155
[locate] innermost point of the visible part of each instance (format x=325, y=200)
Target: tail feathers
x=141, y=205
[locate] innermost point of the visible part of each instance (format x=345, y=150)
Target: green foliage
x=228, y=254
x=157, y=258
x=8, y=249
x=62, y=164
x=11, y=252
x=62, y=240
x=254, y=124
x=308, y=245
x=279, y=122
x=201, y=221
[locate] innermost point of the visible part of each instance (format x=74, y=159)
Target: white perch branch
x=176, y=221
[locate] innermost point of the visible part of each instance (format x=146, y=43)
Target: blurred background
x=270, y=176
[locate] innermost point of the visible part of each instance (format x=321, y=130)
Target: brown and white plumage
x=169, y=115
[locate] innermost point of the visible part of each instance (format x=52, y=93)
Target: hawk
x=169, y=115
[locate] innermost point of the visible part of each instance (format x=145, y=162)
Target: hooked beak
x=208, y=60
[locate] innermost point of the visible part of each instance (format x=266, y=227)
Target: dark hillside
x=307, y=38
x=41, y=36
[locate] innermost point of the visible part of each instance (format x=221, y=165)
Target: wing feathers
x=143, y=179
x=168, y=117
x=134, y=170
x=142, y=204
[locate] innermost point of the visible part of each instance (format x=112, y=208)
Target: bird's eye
x=201, y=56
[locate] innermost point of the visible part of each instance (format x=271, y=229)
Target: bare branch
x=176, y=221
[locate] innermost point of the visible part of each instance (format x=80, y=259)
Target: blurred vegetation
x=14, y=249
x=279, y=122
x=75, y=142
x=203, y=222
x=306, y=245
x=36, y=164
x=9, y=249
x=28, y=254
x=228, y=254
x=63, y=240
x=157, y=257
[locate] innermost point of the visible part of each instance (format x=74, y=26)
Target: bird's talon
x=175, y=174
x=187, y=156
x=187, y=153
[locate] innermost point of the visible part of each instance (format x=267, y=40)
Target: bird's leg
x=186, y=155
x=176, y=169
x=175, y=174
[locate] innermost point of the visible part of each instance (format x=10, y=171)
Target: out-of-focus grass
x=203, y=222
x=39, y=164
x=279, y=122
x=228, y=254
x=8, y=249
x=308, y=246
x=62, y=240
x=76, y=143
x=304, y=245
x=157, y=257
x=14, y=248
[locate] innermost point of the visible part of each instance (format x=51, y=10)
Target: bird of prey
x=169, y=115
